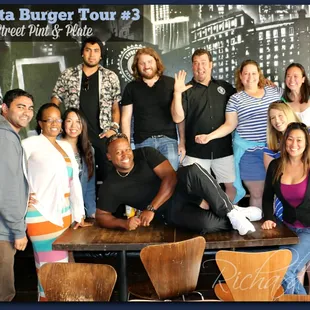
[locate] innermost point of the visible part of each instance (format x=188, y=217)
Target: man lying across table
x=144, y=179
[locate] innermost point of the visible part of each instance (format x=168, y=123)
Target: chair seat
x=252, y=276
x=77, y=281
x=294, y=298
x=173, y=269
x=222, y=291
x=144, y=290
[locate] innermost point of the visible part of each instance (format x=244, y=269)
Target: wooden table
x=95, y=238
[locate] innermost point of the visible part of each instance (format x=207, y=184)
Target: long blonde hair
x=274, y=136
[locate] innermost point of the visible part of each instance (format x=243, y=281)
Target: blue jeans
x=300, y=257
x=166, y=146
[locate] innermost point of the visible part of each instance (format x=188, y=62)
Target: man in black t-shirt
x=145, y=180
x=148, y=99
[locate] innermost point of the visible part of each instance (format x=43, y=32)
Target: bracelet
x=114, y=129
x=114, y=124
x=150, y=208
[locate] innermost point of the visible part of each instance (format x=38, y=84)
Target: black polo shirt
x=204, y=108
x=151, y=108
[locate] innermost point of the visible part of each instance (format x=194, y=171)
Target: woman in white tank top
x=297, y=91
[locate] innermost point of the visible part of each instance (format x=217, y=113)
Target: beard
x=90, y=65
x=148, y=76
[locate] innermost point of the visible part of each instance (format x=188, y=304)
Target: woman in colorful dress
x=53, y=179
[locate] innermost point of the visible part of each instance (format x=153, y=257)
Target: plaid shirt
x=68, y=87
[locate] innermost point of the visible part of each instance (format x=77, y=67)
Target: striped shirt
x=271, y=153
x=252, y=112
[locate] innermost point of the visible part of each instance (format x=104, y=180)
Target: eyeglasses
x=85, y=85
x=115, y=137
x=50, y=120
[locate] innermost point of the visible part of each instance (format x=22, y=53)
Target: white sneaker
x=252, y=213
x=240, y=222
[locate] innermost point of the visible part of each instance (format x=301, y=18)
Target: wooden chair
x=173, y=269
x=224, y=294
x=251, y=276
x=77, y=281
x=290, y=298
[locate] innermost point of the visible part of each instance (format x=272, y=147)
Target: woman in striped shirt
x=246, y=113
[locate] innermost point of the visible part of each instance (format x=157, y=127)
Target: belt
x=157, y=136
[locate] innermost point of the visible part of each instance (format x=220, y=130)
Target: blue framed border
x=146, y=2
x=219, y=306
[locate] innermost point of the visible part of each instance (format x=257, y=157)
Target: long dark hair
x=284, y=159
x=83, y=143
x=305, y=87
x=40, y=113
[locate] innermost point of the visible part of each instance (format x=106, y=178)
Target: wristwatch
x=115, y=127
x=150, y=208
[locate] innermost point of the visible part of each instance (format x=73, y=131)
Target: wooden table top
x=95, y=238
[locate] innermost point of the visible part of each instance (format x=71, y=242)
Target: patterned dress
x=43, y=233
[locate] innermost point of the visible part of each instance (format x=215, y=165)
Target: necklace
x=122, y=175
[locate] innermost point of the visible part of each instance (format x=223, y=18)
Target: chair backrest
x=253, y=276
x=304, y=298
x=77, y=281
x=174, y=268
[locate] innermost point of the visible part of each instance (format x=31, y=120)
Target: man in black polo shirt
x=145, y=180
x=201, y=104
x=148, y=98
x=94, y=90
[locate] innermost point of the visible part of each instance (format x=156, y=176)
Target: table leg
x=122, y=275
x=71, y=257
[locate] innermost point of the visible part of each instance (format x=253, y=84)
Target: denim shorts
x=252, y=166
